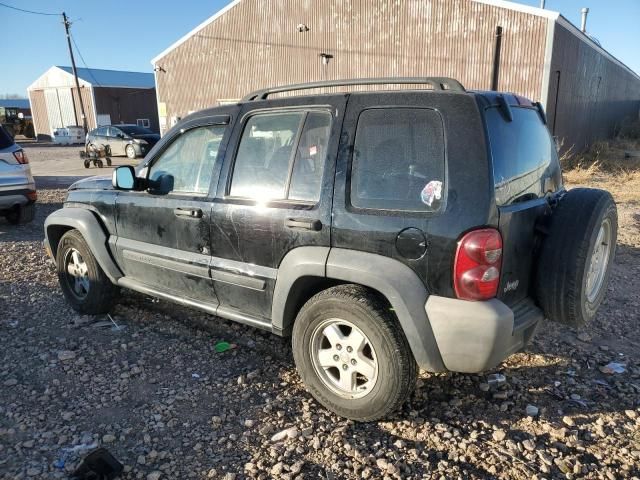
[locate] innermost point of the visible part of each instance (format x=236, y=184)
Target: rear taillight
x=21, y=157
x=476, y=270
x=32, y=195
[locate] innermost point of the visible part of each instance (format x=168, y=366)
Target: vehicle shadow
x=32, y=231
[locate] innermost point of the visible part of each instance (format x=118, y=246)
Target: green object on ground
x=223, y=347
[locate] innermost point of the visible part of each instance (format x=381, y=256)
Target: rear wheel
x=22, y=214
x=352, y=354
x=83, y=282
x=575, y=257
x=130, y=151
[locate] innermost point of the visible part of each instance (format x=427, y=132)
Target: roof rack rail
x=438, y=83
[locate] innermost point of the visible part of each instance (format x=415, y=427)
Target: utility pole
x=67, y=24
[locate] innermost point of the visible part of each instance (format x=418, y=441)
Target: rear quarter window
x=398, y=160
x=524, y=156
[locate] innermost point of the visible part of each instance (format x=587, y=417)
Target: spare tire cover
x=575, y=258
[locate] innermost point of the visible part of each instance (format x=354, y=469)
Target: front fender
x=92, y=231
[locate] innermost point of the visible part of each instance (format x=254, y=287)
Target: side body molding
x=87, y=224
x=403, y=289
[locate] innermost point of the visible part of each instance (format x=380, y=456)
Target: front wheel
x=83, y=283
x=352, y=354
x=130, y=151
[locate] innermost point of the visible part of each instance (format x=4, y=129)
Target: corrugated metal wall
x=593, y=94
x=256, y=44
x=126, y=105
x=87, y=100
x=39, y=113
x=54, y=107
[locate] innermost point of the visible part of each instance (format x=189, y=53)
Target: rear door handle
x=187, y=212
x=305, y=223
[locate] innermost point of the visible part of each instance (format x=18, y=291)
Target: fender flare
x=394, y=280
x=92, y=231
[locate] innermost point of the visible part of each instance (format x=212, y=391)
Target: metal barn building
x=109, y=96
x=252, y=44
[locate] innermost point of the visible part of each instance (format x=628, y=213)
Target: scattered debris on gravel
x=159, y=395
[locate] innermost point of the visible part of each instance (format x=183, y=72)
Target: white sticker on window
x=431, y=191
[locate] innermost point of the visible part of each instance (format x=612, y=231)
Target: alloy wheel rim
x=599, y=262
x=344, y=358
x=77, y=273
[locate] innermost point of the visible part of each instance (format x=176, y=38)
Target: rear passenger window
x=398, y=160
x=281, y=156
x=524, y=156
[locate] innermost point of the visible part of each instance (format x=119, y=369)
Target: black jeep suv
x=384, y=231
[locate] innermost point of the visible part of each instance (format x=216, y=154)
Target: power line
x=83, y=60
x=28, y=11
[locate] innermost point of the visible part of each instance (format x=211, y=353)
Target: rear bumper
x=476, y=336
x=18, y=195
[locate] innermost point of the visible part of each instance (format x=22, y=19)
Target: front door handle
x=187, y=212
x=305, y=223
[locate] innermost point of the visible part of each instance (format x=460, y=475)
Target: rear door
x=163, y=237
x=391, y=177
x=525, y=169
x=274, y=196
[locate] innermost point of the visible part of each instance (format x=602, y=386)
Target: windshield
x=134, y=130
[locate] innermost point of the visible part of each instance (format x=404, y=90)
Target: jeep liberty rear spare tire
x=352, y=353
x=576, y=255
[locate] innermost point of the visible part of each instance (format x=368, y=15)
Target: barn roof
x=113, y=78
x=61, y=76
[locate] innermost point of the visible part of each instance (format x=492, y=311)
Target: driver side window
x=189, y=161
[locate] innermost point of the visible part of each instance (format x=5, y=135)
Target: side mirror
x=120, y=135
x=162, y=185
x=124, y=178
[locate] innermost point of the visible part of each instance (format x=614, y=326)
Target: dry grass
x=604, y=165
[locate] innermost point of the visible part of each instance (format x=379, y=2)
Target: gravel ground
x=157, y=395
x=49, y=161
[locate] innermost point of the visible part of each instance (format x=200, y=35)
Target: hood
x=92, y=183
x=151, y=138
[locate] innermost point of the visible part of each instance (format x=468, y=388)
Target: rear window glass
x=398, y=160
x=523, y=154
x=5, y=138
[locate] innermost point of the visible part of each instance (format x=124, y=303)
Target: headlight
x=139, y=141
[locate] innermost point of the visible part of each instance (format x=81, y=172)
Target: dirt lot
x=157, y=395
x=57, y=165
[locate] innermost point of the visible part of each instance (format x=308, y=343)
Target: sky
x=126, y=35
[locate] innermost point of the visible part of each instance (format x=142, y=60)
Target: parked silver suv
x=17, y=187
